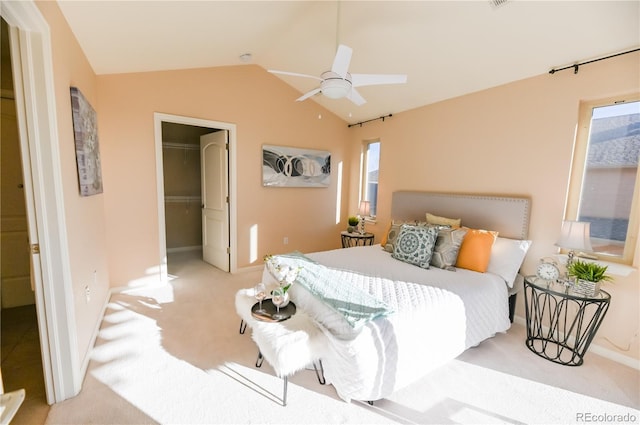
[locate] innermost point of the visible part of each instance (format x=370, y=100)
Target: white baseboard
x=250, y=269
x=84, y=366
x=599, y=350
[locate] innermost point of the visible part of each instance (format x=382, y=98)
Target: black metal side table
x=561, y=323
x=356, y=239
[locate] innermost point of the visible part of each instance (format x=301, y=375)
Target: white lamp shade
x=575, y=235
x=364, y=208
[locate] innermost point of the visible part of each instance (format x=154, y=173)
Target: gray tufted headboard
x=508, y=215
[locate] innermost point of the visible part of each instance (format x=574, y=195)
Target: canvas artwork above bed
x=443, y=275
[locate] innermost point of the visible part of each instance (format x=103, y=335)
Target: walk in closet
x=182, y=202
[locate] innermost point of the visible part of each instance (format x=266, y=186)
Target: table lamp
x=363, y=212
x=574, y=236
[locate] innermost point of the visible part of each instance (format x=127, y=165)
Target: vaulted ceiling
x=446, y=48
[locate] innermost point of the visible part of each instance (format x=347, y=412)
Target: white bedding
x=438, y=314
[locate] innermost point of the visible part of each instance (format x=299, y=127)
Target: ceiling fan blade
x=355, y=97
x=294, y=74
x=359, y=80
x=308, y=94
x=341, y=61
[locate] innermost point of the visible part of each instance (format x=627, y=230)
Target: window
x=604, y=179
x=370, y=168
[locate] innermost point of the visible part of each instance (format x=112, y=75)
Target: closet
x=182, y=202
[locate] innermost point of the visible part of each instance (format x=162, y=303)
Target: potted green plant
x=353, y=222
x=588, y=276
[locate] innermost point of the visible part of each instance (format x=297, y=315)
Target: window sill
x=612, y=268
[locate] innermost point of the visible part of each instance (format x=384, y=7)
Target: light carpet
x=173, y=355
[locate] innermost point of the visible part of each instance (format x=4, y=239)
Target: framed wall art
x=284, y=166
x=85, y=133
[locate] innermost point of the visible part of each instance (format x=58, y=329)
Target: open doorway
x=21, y=347
x=31, y=55
x=185, y=182
x=182, y=190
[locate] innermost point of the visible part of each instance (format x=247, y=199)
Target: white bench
x=288, y=346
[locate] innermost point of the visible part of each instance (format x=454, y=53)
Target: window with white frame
x=370, y=169
x=604, y=178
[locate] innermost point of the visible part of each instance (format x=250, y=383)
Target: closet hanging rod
x=171, y=145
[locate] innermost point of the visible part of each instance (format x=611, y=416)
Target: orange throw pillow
x=383, y=242
x=475, y=251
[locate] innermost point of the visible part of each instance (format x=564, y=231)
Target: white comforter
x=437, y=315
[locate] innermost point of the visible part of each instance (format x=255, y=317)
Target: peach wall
x=512, y=139
x=263, y=109
x=84, y=216
x=515, y=139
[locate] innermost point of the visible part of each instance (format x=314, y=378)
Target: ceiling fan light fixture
x=334, y=86
x=336, y=89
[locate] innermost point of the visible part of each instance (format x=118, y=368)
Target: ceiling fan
x=339, y=83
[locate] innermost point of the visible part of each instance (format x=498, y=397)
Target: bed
x=429, y=315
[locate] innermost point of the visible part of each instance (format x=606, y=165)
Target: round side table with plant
x=588, y=277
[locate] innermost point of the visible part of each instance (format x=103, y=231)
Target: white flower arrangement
x=283, y=273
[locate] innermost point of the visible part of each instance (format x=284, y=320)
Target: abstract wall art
x=85, y=133
x=295, y=167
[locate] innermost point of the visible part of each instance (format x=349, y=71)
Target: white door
x=215, y=201
x=15, y=277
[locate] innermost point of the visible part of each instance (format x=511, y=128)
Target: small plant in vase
x=353, y=224
x=588, y=276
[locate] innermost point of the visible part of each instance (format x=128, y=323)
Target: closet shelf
x=179, y=198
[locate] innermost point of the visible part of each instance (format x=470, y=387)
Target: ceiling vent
x=497, y=3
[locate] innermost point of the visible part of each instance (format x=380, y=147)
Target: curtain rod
x=372, y=119
x=577, y=65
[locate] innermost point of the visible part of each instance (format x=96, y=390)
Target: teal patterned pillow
x=414, y=245
x=447, y=247
x=394, y=231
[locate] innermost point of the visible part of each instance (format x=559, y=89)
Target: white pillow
x=507, y=256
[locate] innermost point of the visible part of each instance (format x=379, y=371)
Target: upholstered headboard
x=508, y=215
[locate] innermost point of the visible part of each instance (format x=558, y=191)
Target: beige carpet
x=173, y=355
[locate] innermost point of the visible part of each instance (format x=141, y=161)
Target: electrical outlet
x=87, y=293
x=286, y=240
